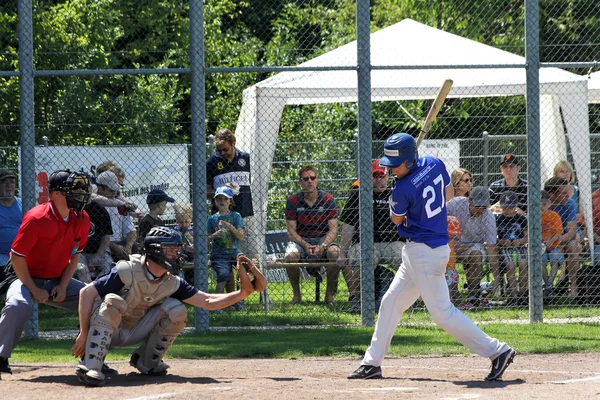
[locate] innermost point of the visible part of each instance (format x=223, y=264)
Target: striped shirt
x=311, y=221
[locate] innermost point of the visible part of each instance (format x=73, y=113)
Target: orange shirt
x=551, y=225
x=596, y=211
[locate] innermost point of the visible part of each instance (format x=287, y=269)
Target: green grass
x=337, y=342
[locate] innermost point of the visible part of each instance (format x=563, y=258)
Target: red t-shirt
x=47, y=242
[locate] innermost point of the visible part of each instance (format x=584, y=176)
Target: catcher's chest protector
x=139, y=292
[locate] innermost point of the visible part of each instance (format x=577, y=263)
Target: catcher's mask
x=163, y=246
x=74, y=185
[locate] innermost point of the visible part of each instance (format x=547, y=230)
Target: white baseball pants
x=422, y=274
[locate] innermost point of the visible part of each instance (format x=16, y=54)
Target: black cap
x=509, y=199
x=57, y=181
x=509, y=158
x=157, y=195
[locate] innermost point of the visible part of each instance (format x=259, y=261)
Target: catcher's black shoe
x=500, y=363
x=366, y=372
x=89, y=377
x=4, y=367
x=107, y=370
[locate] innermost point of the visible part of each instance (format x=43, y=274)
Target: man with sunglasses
x=230, y=167
x=44, y=256
x=311, y=218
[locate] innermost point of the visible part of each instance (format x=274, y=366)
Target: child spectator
x=552, y=229
x=225, y=231
x=512, y=238
x=157, y=204
x=183, y=219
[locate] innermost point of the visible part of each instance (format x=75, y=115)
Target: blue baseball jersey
x=421, y=198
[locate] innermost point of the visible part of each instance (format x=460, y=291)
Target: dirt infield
x=557, y=376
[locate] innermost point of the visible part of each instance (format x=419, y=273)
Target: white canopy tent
x=594, y=87
x=410, y=43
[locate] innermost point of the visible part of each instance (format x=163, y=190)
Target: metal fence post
x=365, y=153
x=199, y=156
x=532, y=55
x=27, y=125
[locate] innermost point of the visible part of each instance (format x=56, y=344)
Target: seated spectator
x=512, y=241
x=95, y=260
x=564, y=169
x=479, y=235
x=225, y=231
x=157, y=204
x=462, y=181
x=596, y=216
x=510, y=167
x=452, y=277
x=123, y=240
x=387, y=246
x=552, y=230
x=11, y=213
x=311, y=219
x=563, y=205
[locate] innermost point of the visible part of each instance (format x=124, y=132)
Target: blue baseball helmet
x=398, y=148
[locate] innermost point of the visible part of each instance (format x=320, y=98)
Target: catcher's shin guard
x=148, y=357
x=104, y=322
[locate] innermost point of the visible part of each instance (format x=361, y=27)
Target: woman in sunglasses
x=462, y=180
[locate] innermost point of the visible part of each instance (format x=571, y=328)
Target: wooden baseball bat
x=435, y=109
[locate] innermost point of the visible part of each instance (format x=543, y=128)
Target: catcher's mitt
x=256, y=277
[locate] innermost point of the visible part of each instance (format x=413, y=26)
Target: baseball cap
x=6, y=173
x=108, y=179
x=480, y=196
x=509, y=199
x=375, y=167
x=157, y=195
x=509, y=158
x=224, y=191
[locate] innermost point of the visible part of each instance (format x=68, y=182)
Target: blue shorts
x=553, y=256
x=222, y=267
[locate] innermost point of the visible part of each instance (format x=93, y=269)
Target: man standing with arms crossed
x=44, y=256
x=418, y=207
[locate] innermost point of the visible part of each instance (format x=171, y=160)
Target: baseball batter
x=418, y=207
x=141, y=301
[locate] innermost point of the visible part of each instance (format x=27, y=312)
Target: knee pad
x=175, y=317
x=148, y=357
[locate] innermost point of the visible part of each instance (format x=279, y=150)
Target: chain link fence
x=319, y=83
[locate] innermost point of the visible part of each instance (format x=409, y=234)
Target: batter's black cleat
x=4, y=367
x=366, y=372
x=499, y=365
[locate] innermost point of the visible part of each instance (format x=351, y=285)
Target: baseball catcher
x=141, y=301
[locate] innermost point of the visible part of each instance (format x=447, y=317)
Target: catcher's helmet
x=75, y=186
x=163, y=246
x=398, y=148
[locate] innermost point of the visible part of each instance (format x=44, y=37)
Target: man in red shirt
x=44, y=256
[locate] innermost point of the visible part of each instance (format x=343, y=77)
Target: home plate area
x=573, y=376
